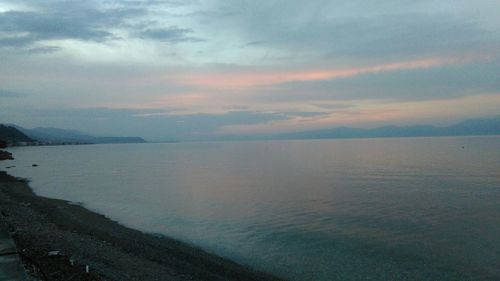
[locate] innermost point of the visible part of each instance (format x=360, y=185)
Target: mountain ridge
x=57, y=135
x=470, y=127
x=11, y=134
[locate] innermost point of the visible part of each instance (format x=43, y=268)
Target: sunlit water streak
x=371, y=209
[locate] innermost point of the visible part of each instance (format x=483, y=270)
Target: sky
x=194, y=70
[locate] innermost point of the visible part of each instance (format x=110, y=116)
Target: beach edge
x=58, y=240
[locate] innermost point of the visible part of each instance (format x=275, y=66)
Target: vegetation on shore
x=10, y=135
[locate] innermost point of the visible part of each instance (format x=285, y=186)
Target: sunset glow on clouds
x=197, y=69
x=243, y=80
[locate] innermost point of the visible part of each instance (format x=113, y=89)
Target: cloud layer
x=201, y=68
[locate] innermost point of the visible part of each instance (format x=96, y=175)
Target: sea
x=351, y=209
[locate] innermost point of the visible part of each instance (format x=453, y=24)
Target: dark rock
x=5, y=155
x=4, y=177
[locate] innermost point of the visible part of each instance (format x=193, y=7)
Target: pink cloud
x=242, y=80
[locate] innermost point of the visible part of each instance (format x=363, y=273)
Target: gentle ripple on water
x=380, y=209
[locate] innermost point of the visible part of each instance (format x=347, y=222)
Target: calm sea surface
x=369, y=209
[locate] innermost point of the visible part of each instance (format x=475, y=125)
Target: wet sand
x=57, y=240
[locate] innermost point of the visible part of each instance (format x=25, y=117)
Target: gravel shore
x=58, y=240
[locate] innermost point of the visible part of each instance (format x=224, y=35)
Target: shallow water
x=367, y=209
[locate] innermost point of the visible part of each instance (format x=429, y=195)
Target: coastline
x=57, y=240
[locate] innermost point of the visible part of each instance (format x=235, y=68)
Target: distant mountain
x=12, y=135
x=475, y=127
x=118, y=140
x=465, y=128
x=55, y=135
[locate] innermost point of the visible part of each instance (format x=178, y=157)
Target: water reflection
x=385, y=209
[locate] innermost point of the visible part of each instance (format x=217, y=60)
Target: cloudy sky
x=185, y=69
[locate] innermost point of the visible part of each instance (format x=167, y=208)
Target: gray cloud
x=171, y=34
x=410, y=35
x=253, y=43
x=83, y=20
x=42, y=26
x=361, y=30
x=42, y=50
x=326, y=29
x=10, y=94
x=16, y=41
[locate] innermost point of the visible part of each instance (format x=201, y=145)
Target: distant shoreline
x=58, y=240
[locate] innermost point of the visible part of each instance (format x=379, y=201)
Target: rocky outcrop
x=5, y=155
